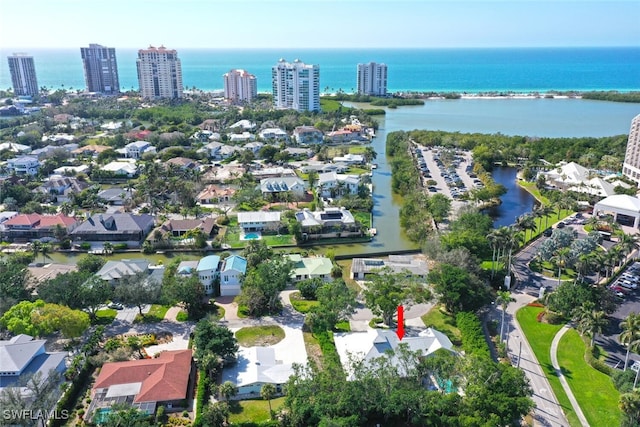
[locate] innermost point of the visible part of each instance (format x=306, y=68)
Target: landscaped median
x=593, y=390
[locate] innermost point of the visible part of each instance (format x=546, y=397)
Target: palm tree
x=592, y=323
x=504, y=298
x=45, y=249
x=36, y=246
x=627, y=242
x=630, y=405
x=585, y=264
x=561, y=259
x=526, y=222
x=107, y=248
x=494, y=241
x=630, y=335
x=268, y=391
x=544, y=211
x=227, y=390
x=513, y=241
x=66, y=208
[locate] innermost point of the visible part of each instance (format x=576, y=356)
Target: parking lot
x=452, y=171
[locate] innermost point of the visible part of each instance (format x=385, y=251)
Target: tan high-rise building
x=159, y=73
x=296, y=86
x=240, y=86
x=631, y=165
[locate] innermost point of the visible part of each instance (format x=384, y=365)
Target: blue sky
x=318, y=23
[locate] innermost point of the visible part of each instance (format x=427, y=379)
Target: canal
x=538, y=117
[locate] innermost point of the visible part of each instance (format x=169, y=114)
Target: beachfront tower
x=296, y=86
x=631, y=165
x=23, y=75
x=159, y=73
x=372, y=79
x=100, y=69
x=240, y=87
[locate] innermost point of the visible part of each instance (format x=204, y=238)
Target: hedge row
x=202, y=396
x=473, y=339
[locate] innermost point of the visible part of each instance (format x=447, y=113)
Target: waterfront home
x=24, y=165
x=329, y=223
x=213, y=194
x=117, y=227
x=4, y=217
x=74, y=170
x=350, y=159
x=180, y=227
x=186, y=268
x=310, y=267
x=233, y=270
x=259, y=221
x=208, y=269
x=307, y=135
x=275, y=187
x=346, y=136
x=113, y=271
x=23, y=357
x=254, y=146
x=36, y=226
x=121, y=168
x=365, y=347
x=145, y=384
x=409, y=264
x=257, y=366
x=275, y=172
x=321, y=167
x=332, y=184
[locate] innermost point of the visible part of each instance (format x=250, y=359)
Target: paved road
x=548, y=412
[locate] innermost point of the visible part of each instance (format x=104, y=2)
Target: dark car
x=561, y=225
x=547, y=233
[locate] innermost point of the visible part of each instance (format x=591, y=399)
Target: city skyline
x=371, y=24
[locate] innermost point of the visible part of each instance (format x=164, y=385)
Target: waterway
x=531, y=117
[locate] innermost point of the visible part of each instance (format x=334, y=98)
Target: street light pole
x=519, y=351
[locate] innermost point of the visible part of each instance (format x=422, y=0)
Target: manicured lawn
x=156, y=314
x=182, y=316
x=302, y=305
x=256, y=411
x=531, y=188
x=105, y=316
x=357, y=171
x=283, y=239
x=259, y=335
x=436, y=318
x=540, y=336
x=363, y=217
x=344, y=326
x=330, y=105
x=594, y=390
x=487, y=265
x=548, y=269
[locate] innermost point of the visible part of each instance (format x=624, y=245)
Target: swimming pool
x=251, y=236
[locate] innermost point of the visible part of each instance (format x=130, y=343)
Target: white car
x=627, y=284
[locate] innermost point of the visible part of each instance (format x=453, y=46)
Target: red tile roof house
x=35, y=226
x=145, y=384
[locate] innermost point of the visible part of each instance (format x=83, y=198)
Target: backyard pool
x=251, y=236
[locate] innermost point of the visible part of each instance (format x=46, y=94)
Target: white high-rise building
x=100, y=69
x=159, y=73
x=372, y=79
x=631, y=165
x=23, y=75
x=240, y=86
x=296, y=86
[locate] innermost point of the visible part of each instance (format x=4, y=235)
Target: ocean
x=439, y=70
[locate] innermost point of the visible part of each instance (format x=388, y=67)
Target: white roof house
x=256, y=366
x=273, y=133
x=595, y=187
x=625, y=209
x=282, y=185
x=259, y=220
x=241, y=137
x=567, y=174
x=375, y=343
x=349, y=159
x=244, y=124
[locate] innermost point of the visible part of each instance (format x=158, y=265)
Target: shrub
x=85, y=246
x=202, y=396
x=554, y=318
x=120, y=247
x=473, y=340
x=596, y=363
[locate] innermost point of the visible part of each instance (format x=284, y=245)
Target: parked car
x=561, y=225
x=617, y=288
x=547, y=233
x=116, y=306
x=627, y=284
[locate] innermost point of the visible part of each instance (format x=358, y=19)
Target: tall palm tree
x=630, y=405
x=526, y=223
x=268, y=391
x=561, y=259
x=628, y=242
x=545, y=211
x=630, y=335
x=227, y=390
x=593, y=323
x=36, y=246
x=504, y=298
x=494, y=241
x=513, y=241
x=585, y=264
